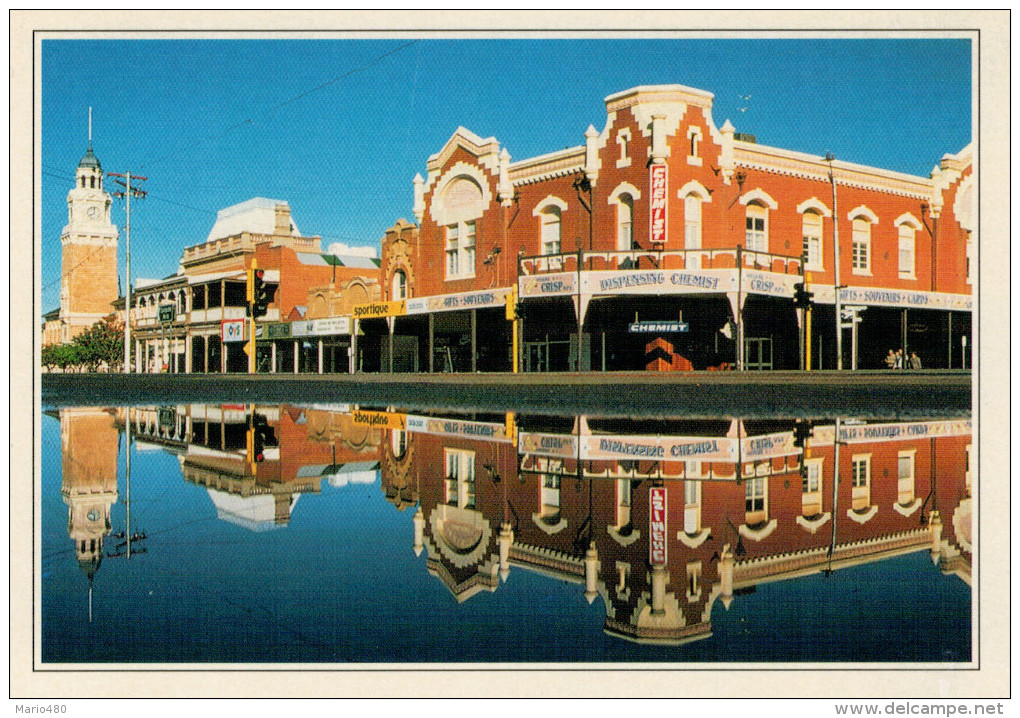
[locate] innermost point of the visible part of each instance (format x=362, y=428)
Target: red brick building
x=665, y=226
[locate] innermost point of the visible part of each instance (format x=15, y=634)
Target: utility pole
x=126, y=194
x=835, y=248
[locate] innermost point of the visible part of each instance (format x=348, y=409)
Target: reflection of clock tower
x=89, y=441
x=89, y=252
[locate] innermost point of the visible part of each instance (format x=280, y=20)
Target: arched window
x=812, y=234
x=399, y=285
x=756, y=236
x=462, y=201
x=92, y=182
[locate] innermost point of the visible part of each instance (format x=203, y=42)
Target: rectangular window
x=812, y=246
x=756, y=239
x=861, y=261
x=754, y=495
x=460, y=478
x=906, y=239
x=460, y=250
x=905, y=476
x=861, y=482
x=811, y=488
x=452, y=251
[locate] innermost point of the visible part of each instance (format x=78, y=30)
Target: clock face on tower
x=92, y=212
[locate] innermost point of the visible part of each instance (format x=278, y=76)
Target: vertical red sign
x=657, y=526
x=657, y=218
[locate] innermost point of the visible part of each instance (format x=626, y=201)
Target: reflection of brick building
x=765, y=515
x=301, y=449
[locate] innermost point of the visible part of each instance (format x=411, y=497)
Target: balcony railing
x=651, y=259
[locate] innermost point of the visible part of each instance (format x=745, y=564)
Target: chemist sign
x=657, y=526
x=657, y=221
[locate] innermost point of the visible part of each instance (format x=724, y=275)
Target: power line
x=269, y=112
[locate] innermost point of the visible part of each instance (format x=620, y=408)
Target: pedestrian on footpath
x=899, y=359
x=915, y=361
x=890, y=359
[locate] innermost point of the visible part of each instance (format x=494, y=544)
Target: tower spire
x=90, y=129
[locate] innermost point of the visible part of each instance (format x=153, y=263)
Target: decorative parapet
x=547, y=558
x=812, y=167
x=757, y=569
x=555, y=164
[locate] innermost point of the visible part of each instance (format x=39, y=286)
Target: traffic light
x=801, y=296
x=511, y=304
x=260, y=294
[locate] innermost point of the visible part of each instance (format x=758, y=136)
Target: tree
x=62, y=356
x=101, y=344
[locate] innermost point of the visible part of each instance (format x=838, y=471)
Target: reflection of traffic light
x=259, y=435
x=260, y=294
x=801, y=296
x=801, y=433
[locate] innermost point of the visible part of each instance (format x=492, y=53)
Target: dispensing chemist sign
x=657, y=526
x=657, y=226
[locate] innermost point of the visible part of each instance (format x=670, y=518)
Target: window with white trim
x=623, y=499
x=625, y=223
x=812, y=233
x=755, y=506
x=692, y=507
x=861, y=246
x=460, y=478
x=399, y=285
x=623, y=140
x=460, y=250
x=694, y=581
x=550, y=499
x=551, y=230
x=905, y=476
x=694, y=146
x=756, y=237
x=860, y=481
x=907, y=242
x=970, y=255
x=811, y=488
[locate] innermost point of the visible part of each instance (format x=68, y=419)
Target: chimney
x=283, y=225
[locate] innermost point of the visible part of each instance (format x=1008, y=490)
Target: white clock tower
x=89, y=251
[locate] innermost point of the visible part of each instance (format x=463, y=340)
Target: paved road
x=880, y=395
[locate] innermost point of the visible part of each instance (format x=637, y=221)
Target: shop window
x=398, y=443
x=623, y=141
x=812, y=233
x=756, y=236
x=623, y=498
x=460, y=250
x=860, y=481
x=399, y=285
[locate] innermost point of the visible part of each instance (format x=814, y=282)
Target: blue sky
x=338, y=128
